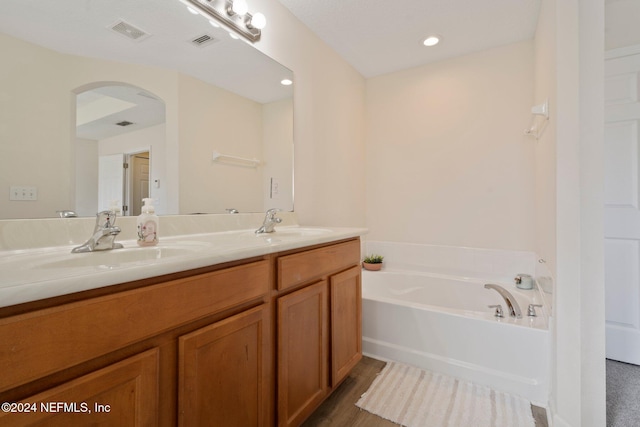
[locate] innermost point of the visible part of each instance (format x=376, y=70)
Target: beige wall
x=447, y=161
x=621, y=23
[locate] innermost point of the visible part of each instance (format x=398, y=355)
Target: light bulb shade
x=258, y=20
x=240, y=7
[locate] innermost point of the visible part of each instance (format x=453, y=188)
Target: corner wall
x=329, y=179
x=579, y=390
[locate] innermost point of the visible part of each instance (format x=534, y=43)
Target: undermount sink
x=117, y=257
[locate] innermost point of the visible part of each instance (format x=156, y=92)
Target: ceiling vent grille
x=129, y=31
x=203, y=40
x=124, y=123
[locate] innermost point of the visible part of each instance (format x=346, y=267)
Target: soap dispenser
x=148, y=224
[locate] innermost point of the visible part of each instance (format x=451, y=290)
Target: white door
x=622, y=210
x=110, y=180
x=139, y=166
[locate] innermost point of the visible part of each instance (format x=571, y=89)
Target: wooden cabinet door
x=122, y=394
x=224, y=372
x=346, y=323
x=302, y=353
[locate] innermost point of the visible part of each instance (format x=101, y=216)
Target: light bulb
x=431, y=41
x=240, y=7
x=258, y=21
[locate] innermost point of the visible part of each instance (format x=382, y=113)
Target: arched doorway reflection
x=119, y=130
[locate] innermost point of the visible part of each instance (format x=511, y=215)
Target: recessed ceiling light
x=233, y=36
x=192, y=10
x=286, y=82
x=431, y=41
x=214, y=24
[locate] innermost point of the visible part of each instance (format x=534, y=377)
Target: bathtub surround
x=429, y=308
x=501, y=265
x=414, y=398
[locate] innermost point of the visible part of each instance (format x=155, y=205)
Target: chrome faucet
x=270, y=221
x=103, y=236
x=512, y=304
x=67, y=214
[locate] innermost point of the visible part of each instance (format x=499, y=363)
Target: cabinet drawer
x=40, y=343
x=305, y=266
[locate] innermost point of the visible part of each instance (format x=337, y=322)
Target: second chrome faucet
x=509, y=299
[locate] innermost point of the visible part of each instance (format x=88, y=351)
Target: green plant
x=373, y=259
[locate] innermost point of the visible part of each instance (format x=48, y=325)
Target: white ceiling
x=378, y=37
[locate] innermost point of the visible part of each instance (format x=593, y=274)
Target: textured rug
x=415, y=398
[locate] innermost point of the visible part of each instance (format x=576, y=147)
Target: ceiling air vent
x=129, y=31
x=203, y=40
x=124, y=123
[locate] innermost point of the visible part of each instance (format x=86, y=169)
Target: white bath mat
x=415, y=398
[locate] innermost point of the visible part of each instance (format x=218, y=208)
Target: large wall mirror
x=200, y=119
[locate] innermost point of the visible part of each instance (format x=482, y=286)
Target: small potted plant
x=373, y=262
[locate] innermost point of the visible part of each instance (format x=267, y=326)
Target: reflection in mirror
x=221, y=95
x=117, y=128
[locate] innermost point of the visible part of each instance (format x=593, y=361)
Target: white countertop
x=34, y=274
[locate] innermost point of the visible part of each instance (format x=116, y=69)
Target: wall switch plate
x=23, y=193
x=275, y=188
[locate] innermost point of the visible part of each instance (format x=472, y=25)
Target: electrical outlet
x=23, y=193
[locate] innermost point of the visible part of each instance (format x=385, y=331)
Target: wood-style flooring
x=340, y=409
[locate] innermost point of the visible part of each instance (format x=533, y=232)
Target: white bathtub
x=442, y=323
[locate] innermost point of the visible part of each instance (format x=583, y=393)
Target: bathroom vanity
x=258, y=340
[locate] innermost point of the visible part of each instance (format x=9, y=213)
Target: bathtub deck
x=340, y=409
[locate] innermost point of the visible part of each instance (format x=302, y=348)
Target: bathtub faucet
x=512, y=304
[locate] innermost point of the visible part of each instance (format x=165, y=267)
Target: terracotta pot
x=373, y=267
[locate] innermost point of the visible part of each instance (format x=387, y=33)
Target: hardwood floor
x=339, y=410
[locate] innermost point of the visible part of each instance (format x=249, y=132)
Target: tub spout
x=512, y=304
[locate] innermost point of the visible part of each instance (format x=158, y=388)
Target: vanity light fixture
x=234, y=14
x=431, y=40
